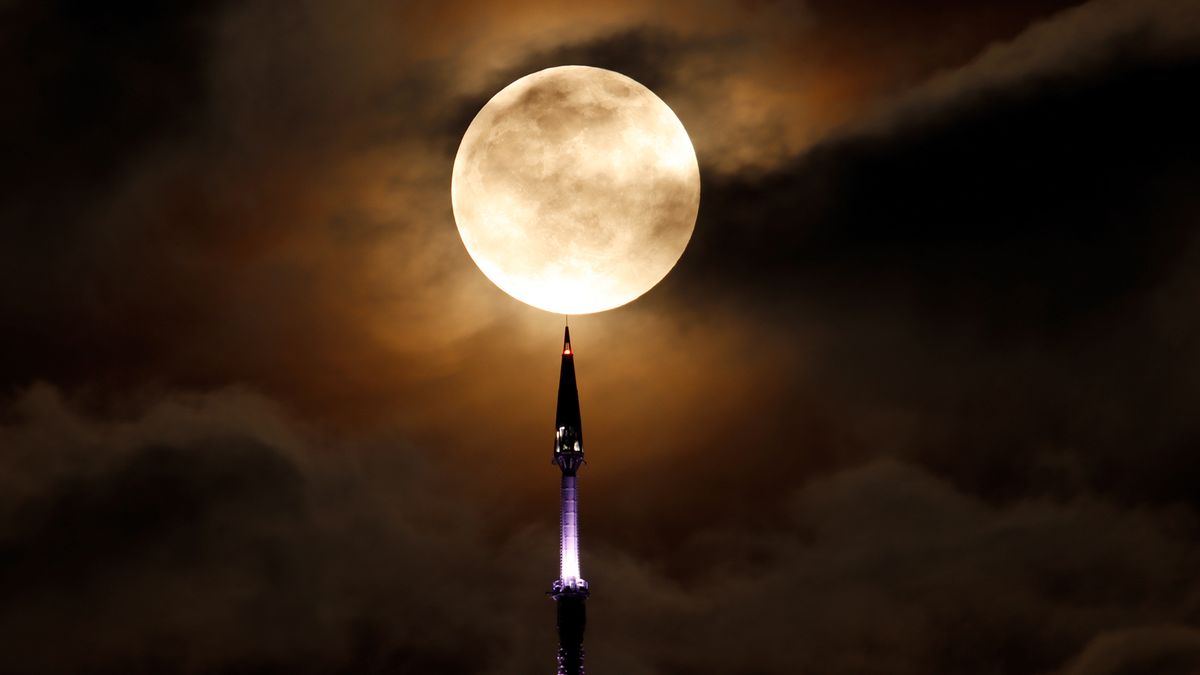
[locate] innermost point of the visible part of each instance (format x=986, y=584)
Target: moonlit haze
x=575, y=189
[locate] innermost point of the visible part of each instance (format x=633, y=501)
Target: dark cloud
x=212, y=534
x=1027, y=206
x=994, y=277
x=1155, y=649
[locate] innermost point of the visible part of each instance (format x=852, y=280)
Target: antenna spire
x=570, y=590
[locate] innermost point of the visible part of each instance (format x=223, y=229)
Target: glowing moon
x=575, y=189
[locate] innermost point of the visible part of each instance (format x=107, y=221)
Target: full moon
x=575, y=189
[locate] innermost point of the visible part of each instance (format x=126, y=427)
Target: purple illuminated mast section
x=569, y=590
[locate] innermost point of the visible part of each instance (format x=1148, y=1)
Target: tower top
x=568, y=424
x=567, y=413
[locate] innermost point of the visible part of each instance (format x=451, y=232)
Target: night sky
x=922, y=396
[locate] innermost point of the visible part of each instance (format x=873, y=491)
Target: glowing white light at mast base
x=569, y=549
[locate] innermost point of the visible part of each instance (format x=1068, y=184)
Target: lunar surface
x=575, y=189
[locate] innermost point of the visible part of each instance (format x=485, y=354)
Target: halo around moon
x=575, y=189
